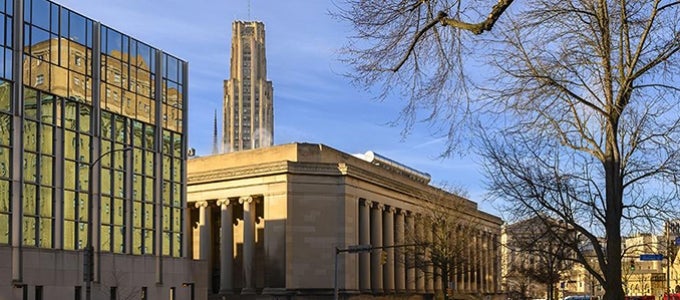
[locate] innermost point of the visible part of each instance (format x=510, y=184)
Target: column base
x=226, y=292
x=248, y=291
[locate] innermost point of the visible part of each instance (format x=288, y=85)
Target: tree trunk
x=614, y=198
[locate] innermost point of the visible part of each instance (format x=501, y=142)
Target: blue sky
x=313, y=101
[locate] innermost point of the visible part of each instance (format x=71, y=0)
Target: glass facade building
x=80, y=101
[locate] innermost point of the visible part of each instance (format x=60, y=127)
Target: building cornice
x=360, y=172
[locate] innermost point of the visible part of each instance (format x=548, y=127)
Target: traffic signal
x=632, y=266
x=383, y=257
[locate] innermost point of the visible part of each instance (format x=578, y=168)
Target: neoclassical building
x=268, y=222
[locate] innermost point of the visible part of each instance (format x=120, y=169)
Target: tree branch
x=486, y=25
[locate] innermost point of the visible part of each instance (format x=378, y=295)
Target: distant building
x=532, y=257
x=268, y=221
x=80, y=100
x=248, y=109
x=643, y=277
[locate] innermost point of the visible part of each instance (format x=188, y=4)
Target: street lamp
x=191, y=289
x=88, y=261
x=350, y=249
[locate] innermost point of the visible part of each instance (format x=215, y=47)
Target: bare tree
x=444, y=236
x=578, y=101
x=540, y=251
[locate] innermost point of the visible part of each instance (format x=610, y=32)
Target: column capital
x=378, y=206
x=404, y=212
x=244, y=200
x=200, y=204
x=223, y=202
x=367, y=203
x=390, y=209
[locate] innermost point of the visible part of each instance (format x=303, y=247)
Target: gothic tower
x=248, y=108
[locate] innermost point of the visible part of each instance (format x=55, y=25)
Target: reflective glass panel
x=69, y=235
x=5, y=129
x=177, y=192
x=46, y=139
x=167, y=237
x=5, y=200
x=30, y=163
x=166, y=218
x=118, y=211
x=148, y=215
x=45, y=209
x=137, y=241
x=148, y=190
x=82, y=206
x=47, y=108
x=148, y=163
x=45, y=233
x=106, y=238
x=40, y=13
x=29, y=231
x=84, y=119
x=105, y=210
x=77, y=28
x=82, y=235
x=4, y=228
x=30, y=135
x=118, y=239
x=5, y=94
x=106, y=181
x=70, y=174
x=137, y=214
x=29, y=199
x=148, y=241
x=5, y=157
x=30, y=103
x=70, y=203
x=46, y=170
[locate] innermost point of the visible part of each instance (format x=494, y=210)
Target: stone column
x=458, y=279
x=467, y=265
x=376, y=241
x=388, y=240
x=248, y=243
x=438, y=285
x=474, y=262
x=485, y=263
x=364, y=239
x=399, y=267
x=496, y=263
x=203, y=229
x=411, y=270
x=226, y=247
x=420, y=275
x=429, y=275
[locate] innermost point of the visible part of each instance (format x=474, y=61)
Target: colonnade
x=383, y=226
x=226, y=241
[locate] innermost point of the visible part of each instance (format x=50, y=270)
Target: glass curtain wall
x=6, y=126
x=59, y=134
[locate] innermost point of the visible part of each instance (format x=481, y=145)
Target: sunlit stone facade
x=268, y=221
x=248, y=95
x=80, y=100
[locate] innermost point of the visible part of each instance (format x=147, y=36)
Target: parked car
x=581, y=297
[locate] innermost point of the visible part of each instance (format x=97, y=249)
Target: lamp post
x=88, y=261
x=191, y=289
x=350, y=249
